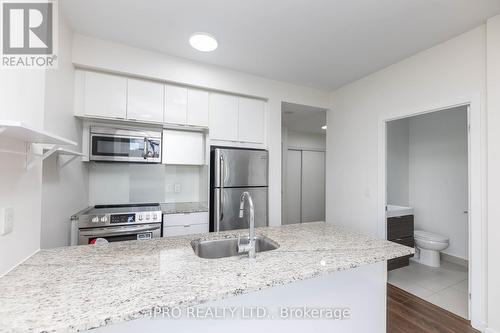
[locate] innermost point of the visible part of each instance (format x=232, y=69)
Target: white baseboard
x=454, y=259
x=19, y=263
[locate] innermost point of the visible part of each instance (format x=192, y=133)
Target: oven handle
x=123, y=231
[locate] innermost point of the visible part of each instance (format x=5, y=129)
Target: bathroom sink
x=395, y=211
x=228, y=247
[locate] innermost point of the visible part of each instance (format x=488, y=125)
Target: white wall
x=450, y=70
x=398, y=159
x=306, y=141
x=21, y=99
x=438, y=176
x=98, y=54
x=493, y=105
x=65, y=190
x=447, y=72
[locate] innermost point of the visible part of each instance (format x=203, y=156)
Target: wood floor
x=407, y=313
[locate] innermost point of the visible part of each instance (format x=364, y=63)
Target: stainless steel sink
x=228, y=247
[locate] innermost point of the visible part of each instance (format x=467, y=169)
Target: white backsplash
x=111, y=183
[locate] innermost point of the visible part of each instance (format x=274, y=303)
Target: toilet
x=428, y=246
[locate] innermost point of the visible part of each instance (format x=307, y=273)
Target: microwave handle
x=146, y=149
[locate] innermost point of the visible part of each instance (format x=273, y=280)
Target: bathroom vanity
x=400, y=226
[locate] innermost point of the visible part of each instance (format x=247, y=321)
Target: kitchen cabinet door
x=175, y=105
x=183, y=147
x=145, y=100
x=197, y=107
x=223, y=117
x=171, y=220
x=105, y=95
x=251, y=122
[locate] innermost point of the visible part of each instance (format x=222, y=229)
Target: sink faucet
x=250, y=248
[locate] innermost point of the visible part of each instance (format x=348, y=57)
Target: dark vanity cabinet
x=400, y=230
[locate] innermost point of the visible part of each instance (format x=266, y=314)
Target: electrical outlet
x=169, y=188
x=177, y=188
x=6, y=220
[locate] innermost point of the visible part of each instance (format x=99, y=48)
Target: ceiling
x=318, y=43
x=303, y=118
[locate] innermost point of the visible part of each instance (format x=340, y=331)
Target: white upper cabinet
x=105, y=95
x=197, y=107
x=223, y=117
x=145, y=100
x=176, y=100
x=183, y=147
x=251, y=121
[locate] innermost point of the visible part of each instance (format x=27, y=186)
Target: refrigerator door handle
x=221, y=193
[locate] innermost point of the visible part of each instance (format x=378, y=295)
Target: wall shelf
x=19, y=131
x=39, y=143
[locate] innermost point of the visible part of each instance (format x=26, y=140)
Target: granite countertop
x=184, y=207
x=76, y=288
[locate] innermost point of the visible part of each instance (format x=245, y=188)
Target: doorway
x=303, y=163
x=427, y=206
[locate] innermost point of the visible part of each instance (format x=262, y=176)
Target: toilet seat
x=425, y=235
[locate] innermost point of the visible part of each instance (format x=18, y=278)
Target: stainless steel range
x=118, y=223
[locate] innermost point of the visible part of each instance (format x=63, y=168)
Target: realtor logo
x=28, y=31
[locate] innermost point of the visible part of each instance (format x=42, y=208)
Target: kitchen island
x=121, y=287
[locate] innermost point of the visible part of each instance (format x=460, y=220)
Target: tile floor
x=446, y=286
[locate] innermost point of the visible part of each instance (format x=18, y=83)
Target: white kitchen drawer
x=185, y=219
x=185, y=230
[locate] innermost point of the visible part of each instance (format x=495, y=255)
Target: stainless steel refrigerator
x=232, y=172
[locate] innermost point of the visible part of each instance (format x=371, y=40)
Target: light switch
x=6, y=220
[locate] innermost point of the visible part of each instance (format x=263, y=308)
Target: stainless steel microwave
x=123, y=145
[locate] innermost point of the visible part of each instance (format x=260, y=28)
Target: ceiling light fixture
x=324, y=127
x=203, y=42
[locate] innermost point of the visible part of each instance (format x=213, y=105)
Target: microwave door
x=113, y=148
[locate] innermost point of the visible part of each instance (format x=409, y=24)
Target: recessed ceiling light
x=203, y=42
x=324, y=127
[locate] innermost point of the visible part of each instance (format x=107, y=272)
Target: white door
x=175, y=105
x=293, y=190
x=251, y=120
x=105, y=95
x=145, y=100
x=197, y=107
x=313, y=186
x=223, y=117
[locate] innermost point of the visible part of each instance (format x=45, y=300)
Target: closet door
x=293, y=187
x=313, y=186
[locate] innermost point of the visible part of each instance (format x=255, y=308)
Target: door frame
x=476, y=196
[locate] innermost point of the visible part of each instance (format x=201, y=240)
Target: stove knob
x=140, y=217
x=104, y=219
x=95, y=219
x=148, y=216
x=155, y=216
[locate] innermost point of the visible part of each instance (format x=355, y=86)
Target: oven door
x=125, y=146
x=119, y=233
